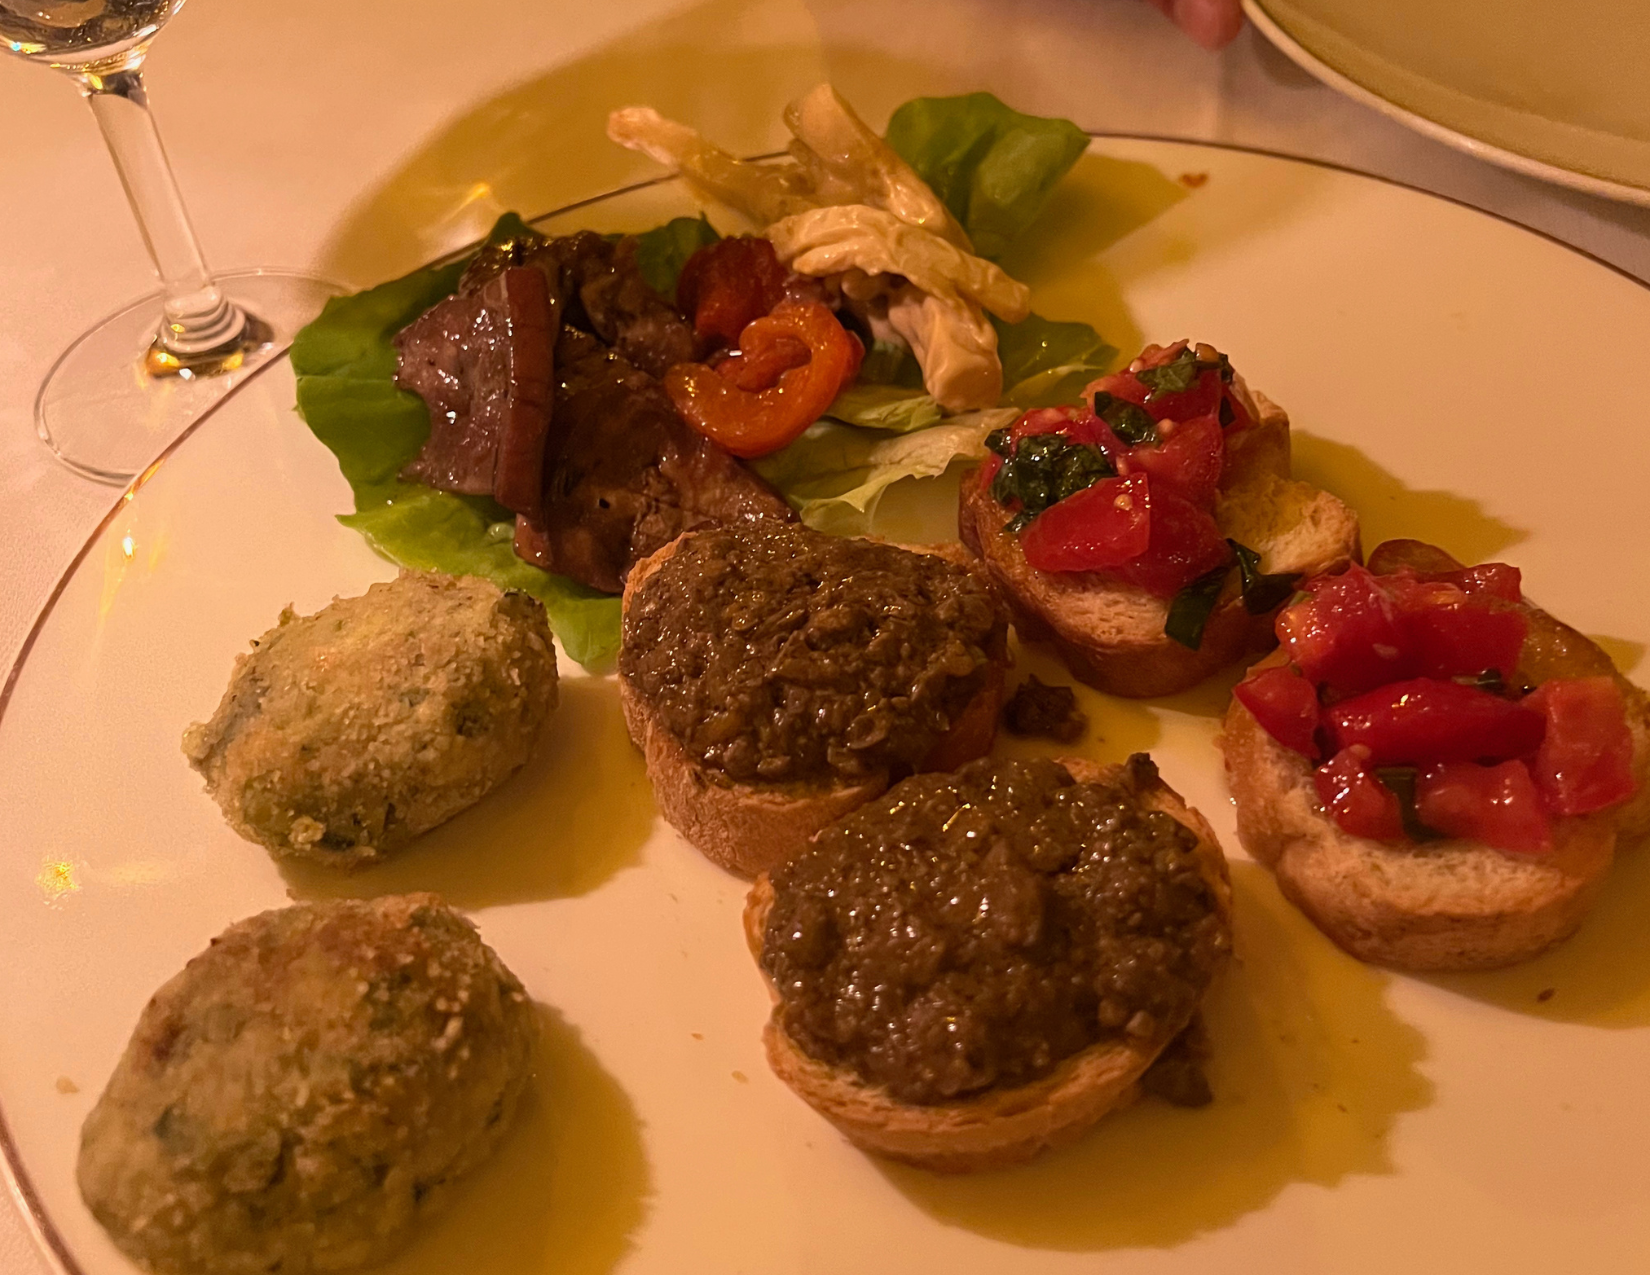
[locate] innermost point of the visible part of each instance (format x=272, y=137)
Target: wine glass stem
x=198, y=319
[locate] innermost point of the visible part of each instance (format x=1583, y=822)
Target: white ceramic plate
x=1554, y=91
x=1459, y=378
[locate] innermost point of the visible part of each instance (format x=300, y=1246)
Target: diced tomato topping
x=1495, y=805
x=1077, y=423
x=1358, y=802
x=752, y=423
x=1422, y=720
x=1043, y=420
x=1098, y=528
x=1186, y=460
x=1585, y=761
x=1285, y=705
x=1488, y=579
x=1466, y=635
x=1185, y=544
x=1347, y=635
x=728, y=285
x=1202, y=398
x=1121, y=385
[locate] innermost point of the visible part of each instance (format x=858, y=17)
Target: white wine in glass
x=129, y=386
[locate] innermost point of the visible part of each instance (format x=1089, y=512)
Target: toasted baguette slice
x=1261, y=449
x=1448, y=905
x=1002, y=1127
x=748, y=828
x=1110, y=634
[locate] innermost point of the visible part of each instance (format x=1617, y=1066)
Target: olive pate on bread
x=776, y=677
x=977, y=966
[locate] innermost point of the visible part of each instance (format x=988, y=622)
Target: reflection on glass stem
x=201, y=333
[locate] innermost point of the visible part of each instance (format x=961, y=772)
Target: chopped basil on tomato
x=1189, y=612
x=1401, y=781
x=1042, y=470
x=1101, y=528
x=1262, y=592
x=1192, y=606
x=1176, y=376
x=1180, y=373
x=1129, y=422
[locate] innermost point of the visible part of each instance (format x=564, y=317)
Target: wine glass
x=129, y=386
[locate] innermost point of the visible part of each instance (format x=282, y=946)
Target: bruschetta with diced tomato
x=1436, y=770
x=1150, y=533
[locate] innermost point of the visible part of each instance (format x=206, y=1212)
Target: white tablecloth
x=342, y=138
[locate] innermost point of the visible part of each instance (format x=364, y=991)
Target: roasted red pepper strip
x=728, y=285
x=751, y=423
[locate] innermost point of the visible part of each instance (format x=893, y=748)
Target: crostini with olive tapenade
x=776, y=677
x=1150, y=535
x=977, y=967
x=1436, y=771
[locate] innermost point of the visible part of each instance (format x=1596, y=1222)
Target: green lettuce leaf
x=835, y=474
x=1047, y=362
x=992, y=166
x=345, y=362
x=886, y=407
x=663, y=251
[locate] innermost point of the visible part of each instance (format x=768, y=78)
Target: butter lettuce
x=993, y=167
x=835, y=474
x=662, y=252
x=1045, y=363
x=345, y=362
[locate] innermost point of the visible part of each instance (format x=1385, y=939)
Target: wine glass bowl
x=82, y=33
x=126, y=388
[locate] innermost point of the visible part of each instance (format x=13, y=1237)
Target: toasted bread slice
x=748, y=828
x=1001, y=1127
x=1261, y=449
x=1110, y=634
x=1447, y=905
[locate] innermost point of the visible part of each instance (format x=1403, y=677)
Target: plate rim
x=1515, y=161
x=49, y=1243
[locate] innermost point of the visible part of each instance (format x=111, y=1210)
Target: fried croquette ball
x=345, y=734
x=297, y=1097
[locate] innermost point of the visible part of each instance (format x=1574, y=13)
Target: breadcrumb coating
x=298, y=1096
x=345, y=734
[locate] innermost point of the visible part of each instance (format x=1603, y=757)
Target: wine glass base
x=106, y=417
